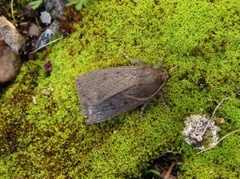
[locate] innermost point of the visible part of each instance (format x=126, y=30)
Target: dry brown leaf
x=11, y=36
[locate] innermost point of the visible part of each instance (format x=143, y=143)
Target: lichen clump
x=198, y=129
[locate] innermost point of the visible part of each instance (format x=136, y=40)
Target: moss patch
x=50, y=140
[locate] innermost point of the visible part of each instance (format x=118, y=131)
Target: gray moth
x=109, y=92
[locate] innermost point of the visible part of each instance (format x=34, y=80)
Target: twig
x=210, y=119
x=37, y=22
x=219, y=141
x=14, y=20
x=46, y=45
x=168, y=174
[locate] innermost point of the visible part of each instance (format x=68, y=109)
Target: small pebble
x=34, y=30
x=45, y=17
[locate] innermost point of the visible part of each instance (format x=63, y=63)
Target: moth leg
x=161, y=93
x=140, y=62
x=142, y=110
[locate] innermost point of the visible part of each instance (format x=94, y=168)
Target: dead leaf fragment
x=10, y=35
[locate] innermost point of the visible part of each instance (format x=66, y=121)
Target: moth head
x=164, y=75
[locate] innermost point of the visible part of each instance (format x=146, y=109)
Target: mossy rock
x=49, y=139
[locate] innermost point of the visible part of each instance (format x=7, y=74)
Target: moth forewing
x=109, y=92
x=99, y=85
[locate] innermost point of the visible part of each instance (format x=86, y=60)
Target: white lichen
x=200, y=132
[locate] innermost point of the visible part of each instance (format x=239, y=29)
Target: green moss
x=49, y=139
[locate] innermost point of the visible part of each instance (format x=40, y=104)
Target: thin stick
x=210, y=119
x=46, y=45
x=219, y=141
x=14, y=20
x=168, y=174
x=37, y=22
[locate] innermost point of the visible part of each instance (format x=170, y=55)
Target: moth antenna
x=144, y=99
x=136, y=61
x=173, y=68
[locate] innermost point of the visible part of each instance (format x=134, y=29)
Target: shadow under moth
x=109, y=92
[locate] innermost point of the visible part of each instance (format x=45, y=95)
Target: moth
x=109, y=92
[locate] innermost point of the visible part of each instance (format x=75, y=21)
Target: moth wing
x=110, y=108
x=97, y=86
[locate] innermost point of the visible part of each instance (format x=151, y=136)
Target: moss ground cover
x=49, y=139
